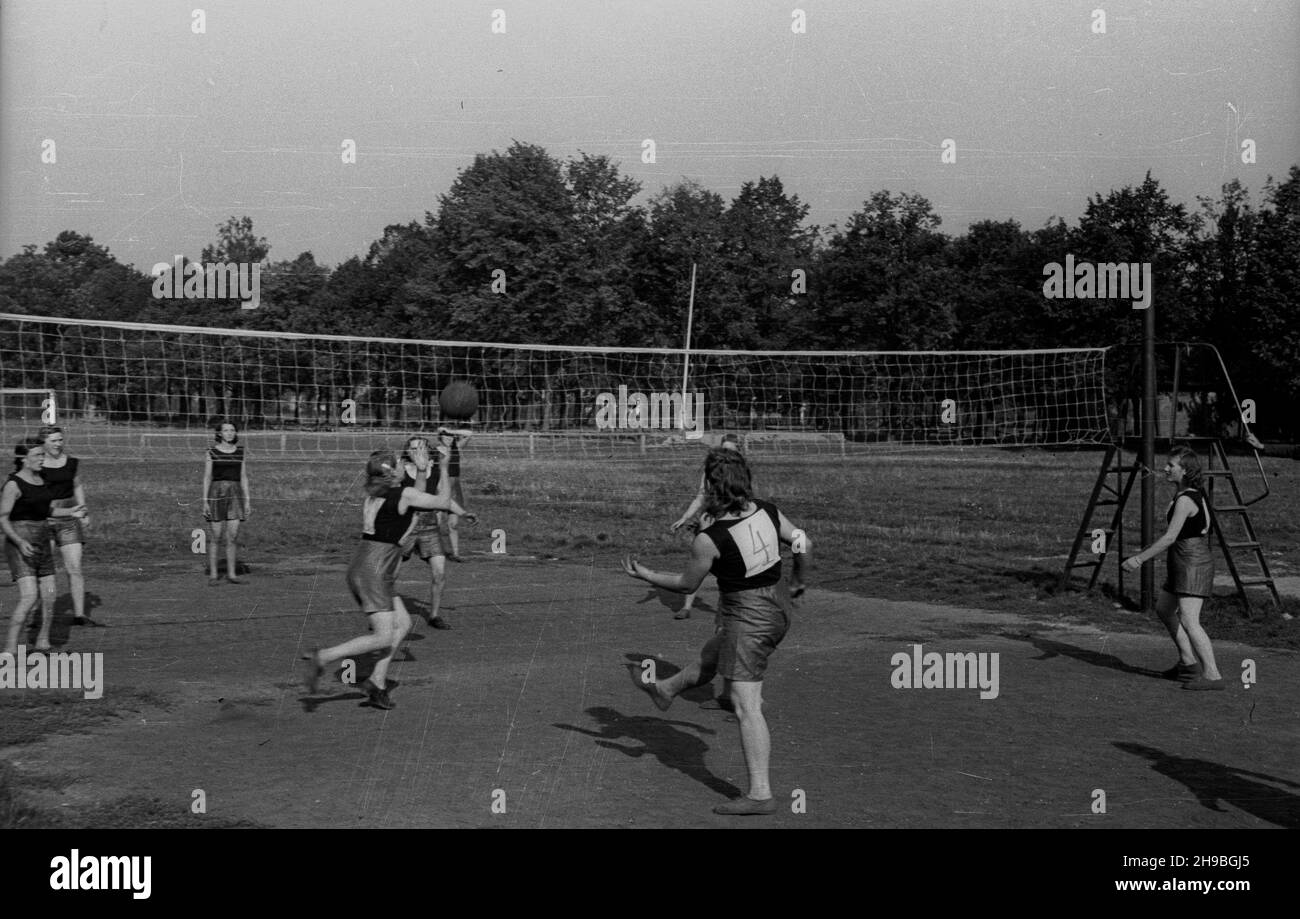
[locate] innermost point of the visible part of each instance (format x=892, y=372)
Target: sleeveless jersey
x=226, y=467
x=1197, y=524
x=60, y=480
x=749, y=549
x=380, y=520
x=33, y=502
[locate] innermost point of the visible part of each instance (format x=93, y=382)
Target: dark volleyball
x=458, y=401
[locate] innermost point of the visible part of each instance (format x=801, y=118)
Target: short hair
x=45, y=432
x=732, y=439
x=1190, y=460
x=25, y=446
x=379, y=472
x=727, y=482
x=221, y=423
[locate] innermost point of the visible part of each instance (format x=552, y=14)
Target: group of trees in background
x=525, y=247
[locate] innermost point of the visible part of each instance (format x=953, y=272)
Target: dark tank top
x=33, y=501
x=380, y=520
x=226, y=467
x=1196, y=525
x=749, y=549
x=425, y=519
x=60, y=481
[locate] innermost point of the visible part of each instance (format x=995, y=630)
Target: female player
x=62, y=474
x=372, y=576
x=24, y=517
x=1191, y=572
x=729, y=442
x=429, y=533
x=452, y=521
x=226, y=500
x=742, y=549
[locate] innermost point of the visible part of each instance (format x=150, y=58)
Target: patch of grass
x=27, y=716
x=135, y=812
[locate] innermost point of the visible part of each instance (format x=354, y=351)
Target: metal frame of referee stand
x=1106, y=495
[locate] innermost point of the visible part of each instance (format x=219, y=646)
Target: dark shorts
x=431, y=536
x=66, y=531
x=1190, y=568
x=225, y=502
x=750, y=624
x=372, y=576
x=40, y=565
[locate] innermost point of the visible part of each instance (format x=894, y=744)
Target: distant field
x=981, y=528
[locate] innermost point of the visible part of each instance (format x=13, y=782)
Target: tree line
x=525, y=247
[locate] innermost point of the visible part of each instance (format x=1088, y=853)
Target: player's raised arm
x=703, y=552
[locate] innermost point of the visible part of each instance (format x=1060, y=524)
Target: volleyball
x=459, y=400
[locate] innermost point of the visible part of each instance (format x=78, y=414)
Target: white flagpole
x=686, y=357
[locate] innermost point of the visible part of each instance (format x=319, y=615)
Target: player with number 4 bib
x=742, y=549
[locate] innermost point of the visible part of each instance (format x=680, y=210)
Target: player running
x=386, y=517
x=742, y=550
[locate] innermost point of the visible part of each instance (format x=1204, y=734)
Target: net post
x=282, y=444
x=532, y=445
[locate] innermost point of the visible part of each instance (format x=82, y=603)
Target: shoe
x=86, y=620
x=662, y=702
x=234, y=580
x=42, y=646
x=683, y=613
x=1201, y=684
x=213, y=582
x=746, y=807
x=1181, y=671
x=437, y=622
x=456, y=558
x=377, y=697
x=312, y=671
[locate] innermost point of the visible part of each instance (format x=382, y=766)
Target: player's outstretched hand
x=1131, y=563
x=1254, y=441
x=633, y=567
x=470, y=517
x=678, y=524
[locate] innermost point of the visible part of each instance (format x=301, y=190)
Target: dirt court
x=527, y=704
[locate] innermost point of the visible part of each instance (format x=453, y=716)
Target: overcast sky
x=161, y=134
